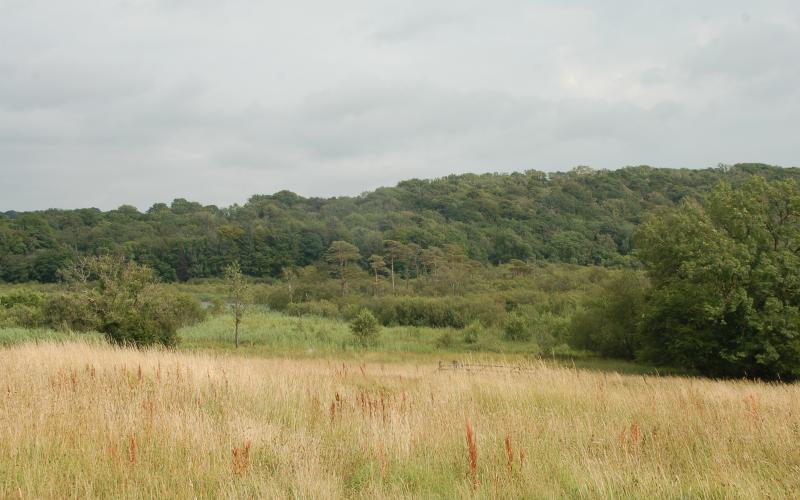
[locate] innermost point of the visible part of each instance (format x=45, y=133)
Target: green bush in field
x=22, y=308
x=549, y=330
x=321, y=308
x=473, y=332
x=445, y=340
x=22, y=297
x=516, y=327
x=436, y=312
x=131, y=308
x=278, y=299
x=365, y=328
x=216, y=306
x=67, y=311
x=609, y=324
x=24, y=315
x=186, y=309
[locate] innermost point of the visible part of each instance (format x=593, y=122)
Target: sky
x=112, y=102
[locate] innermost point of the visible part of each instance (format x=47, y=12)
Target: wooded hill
x=583, y=216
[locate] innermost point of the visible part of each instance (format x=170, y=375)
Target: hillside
x=581, y=217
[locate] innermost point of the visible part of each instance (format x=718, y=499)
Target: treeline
x=722, y=294
x=583, y=217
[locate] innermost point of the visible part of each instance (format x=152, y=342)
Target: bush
x=24, y=315
x=549, y=330
x=610, y=323
x=436, y=312
x=22, y=297
x=445, y=340
x=321, y=308
x=216, y=306
x=70, y=312
x=473, y=332
x=152, y=323
x=186, y=309
x=278, y=299
x=516, y=328
x=365, y=327
x=131, y=308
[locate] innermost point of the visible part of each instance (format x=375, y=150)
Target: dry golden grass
x=79, y=420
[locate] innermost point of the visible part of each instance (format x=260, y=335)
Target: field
x=82, y=418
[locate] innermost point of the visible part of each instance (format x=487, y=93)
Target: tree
x=395, y=251
x=237, y=288
x=378, y=266
x=457, y=266
x=412, y=252
x=432, y=259
x=726, y=282
x=289, y=277
x=342, y=254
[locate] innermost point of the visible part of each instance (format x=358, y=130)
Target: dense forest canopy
x=583, y=216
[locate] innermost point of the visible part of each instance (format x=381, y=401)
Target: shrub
x=549, y=330
x=70, y=312
x=365, y=327
x=24, y=315
x=445, y=340
x=609, y=325
x=216, y=306
x=153, y=322
x=278, y=299
x=321, y=308
x=436, y=312
x=473, y=332
x=516, y=327
x=22, y=297
x=131, y=308
x=186, y=309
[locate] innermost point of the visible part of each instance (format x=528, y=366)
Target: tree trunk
x=236, y=331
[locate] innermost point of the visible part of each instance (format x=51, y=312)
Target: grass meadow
x=85, y=419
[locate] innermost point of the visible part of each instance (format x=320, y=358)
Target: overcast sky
x=111, y=102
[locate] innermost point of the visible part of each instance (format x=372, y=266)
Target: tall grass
x=88, y=420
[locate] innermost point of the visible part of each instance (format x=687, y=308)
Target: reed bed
x=90, y=420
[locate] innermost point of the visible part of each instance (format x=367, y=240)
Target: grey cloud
x=750, y=51
x=105, y=103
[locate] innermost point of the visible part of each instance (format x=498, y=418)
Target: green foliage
x=726, y=282
x=70, y=312
x=446, y=340
x=577, y=217
x=516, y=328
x=365, y=328
x=473, y=332
x=131, y=309
x=609, y=324
x=237, y=289
x=277, y=299
x=437, y=312
x=216, y=306
x=548, y=330
x=321, y=308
